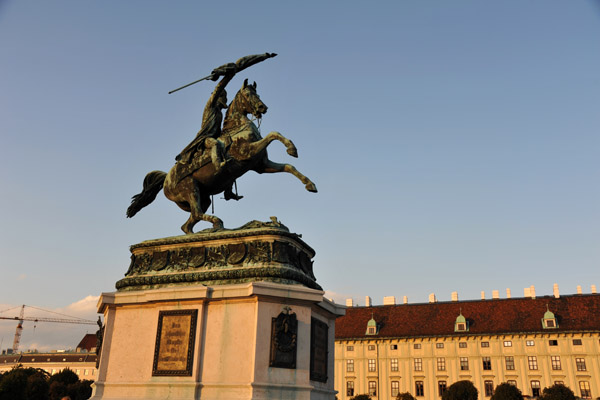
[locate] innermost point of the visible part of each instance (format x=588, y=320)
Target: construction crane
x=21, y=318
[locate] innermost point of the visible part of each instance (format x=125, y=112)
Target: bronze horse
x=191, y=185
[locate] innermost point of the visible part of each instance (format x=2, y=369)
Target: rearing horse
x=190, y=186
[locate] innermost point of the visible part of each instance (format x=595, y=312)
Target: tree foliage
x=557, y=392
x=461, y=390
x=506, y=391
x=405, y=396
x=36, y=384
x=361, y=397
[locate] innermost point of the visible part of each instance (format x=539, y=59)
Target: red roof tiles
x=498, y=316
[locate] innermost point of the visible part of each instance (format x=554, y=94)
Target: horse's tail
x=153, y=183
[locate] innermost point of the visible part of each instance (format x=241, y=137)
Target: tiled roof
x=497, y=316
x=88, y=342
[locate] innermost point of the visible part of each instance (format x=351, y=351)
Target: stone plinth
x=258, y=251
x=217, y=316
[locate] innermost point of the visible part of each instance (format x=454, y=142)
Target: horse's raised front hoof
x=311, y=187
x=292, y=151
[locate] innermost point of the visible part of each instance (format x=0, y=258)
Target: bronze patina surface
x=219, y=155
x=284, y=340
x=258, y=251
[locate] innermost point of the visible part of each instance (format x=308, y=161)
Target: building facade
x=82, y=361
x=531, y=342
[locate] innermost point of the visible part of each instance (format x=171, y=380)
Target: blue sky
x=454, y=144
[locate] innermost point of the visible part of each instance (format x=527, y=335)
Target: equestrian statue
x=217, y=156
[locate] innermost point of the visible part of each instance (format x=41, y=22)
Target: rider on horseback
x=207, y=137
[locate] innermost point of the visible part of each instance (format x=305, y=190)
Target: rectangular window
x=580, y=363
x=441, y=388
x=371, y=330
x=439, y=345
x=417, y=346
x=510, y=363
x=350, y=388
x=462, y=345
x=464, y=364
x=487, y=363
x=394, y=347
x=349, y=365
x=394, y=365
x=559, y=383
x=514, y=383
x=485, y=344
x=419, y=389
x=349, y=348
x=372, y=388
x=576, y=342
x=395, y=388
x=489, y=388
x=418, y=364
x=372, y=365
x=556, y=363
x=441, y=364
x=553, y=342
x=530, y=343
x=508, y=343
x=535, y=388
x=371, y=347
x=584, y=387
x=532, y=362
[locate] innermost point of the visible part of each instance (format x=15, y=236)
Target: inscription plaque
x=284, y=334
x=174, y=350
x=319, y=337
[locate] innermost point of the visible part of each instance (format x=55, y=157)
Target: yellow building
x=82, y=361
x=530, y=342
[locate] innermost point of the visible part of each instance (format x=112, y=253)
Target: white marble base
x=232, y=343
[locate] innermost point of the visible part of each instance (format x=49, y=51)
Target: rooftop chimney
x=349, y=303
x=432, y=298
x=527, y=292
x=507, y=293
x=532, y=291
x=367, y=301
x=482, y=295
x=593, y=289
x=405, y=299
x=495, y=294
x=579, y=289
x=454, y=296
x=389, y=300
x=555, y=291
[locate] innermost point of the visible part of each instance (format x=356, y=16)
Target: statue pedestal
x=212, y=317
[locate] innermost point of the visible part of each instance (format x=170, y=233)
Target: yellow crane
x=21, y=318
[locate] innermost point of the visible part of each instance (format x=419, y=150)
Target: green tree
x=361, y=397
x=405, y=396
x=506, y=391
x=24, y=384
x=558, y=392
x=461, y=390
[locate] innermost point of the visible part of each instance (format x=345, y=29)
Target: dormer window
x=461, y=324
x=549, y=320
x=372, y=327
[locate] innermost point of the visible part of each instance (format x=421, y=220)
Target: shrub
x=558, y=392
x=461, y=390
x=506, y=391
x=405, y=396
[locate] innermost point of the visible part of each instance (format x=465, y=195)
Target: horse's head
x=248, y=102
